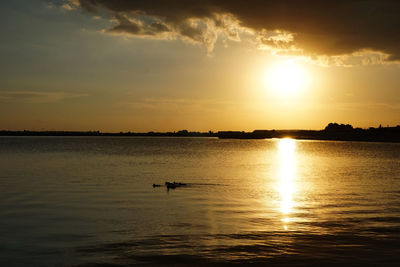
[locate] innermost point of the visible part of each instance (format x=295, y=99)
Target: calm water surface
x=90, y=200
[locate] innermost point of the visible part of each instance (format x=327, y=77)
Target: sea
x=90, y=201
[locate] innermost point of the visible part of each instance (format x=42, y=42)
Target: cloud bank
x=37, y=96
x=317, y=29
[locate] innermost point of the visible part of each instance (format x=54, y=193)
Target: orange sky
x=67, y=69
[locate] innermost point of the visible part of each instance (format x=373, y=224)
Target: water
x=89, y=200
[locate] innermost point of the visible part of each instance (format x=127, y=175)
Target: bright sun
x=286, y=78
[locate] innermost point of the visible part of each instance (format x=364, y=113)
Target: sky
x=157, y=65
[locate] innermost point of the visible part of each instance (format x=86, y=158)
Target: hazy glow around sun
x=286, y=78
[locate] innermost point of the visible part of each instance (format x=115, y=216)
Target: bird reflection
x=286, y=185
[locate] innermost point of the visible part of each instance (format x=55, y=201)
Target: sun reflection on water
x=286, y=184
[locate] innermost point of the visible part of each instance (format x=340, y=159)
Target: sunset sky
x=114, y=65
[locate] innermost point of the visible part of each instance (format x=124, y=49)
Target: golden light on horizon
x=287, y=78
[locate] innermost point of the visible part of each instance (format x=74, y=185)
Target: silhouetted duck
x=174, y=184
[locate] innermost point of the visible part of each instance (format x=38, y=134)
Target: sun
x=286, y=78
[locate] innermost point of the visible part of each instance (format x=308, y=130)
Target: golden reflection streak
x=286, y=185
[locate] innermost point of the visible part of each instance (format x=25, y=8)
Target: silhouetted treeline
x=181, y=133
x=333, y=131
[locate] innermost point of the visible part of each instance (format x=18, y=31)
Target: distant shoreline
x=333, y=132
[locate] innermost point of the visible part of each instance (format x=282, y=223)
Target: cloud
x=371, y=106
x=174, y=104
x=126, y=25
x=195, y=30
x=68, y=7
x=37, y=97
x=309, y=28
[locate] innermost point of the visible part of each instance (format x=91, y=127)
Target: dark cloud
x=317, y=28
x=136, y=27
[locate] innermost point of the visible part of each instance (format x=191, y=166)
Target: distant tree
x=183, y=132
x=335, y=127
